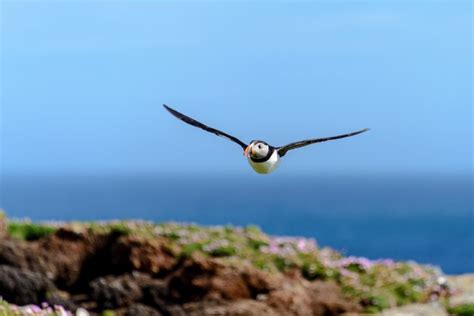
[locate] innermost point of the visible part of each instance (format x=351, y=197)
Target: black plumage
x=193, y=122
x=280, y=150
x=284, y=149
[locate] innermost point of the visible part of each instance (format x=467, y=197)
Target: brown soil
x=142, y=276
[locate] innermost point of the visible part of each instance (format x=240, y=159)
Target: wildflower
x=306, y=245
x=385, y=262
x=82, y=312
x=36, y=309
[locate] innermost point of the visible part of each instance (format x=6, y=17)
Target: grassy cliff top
x=377, y=284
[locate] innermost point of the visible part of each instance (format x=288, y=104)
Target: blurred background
x=84, y=136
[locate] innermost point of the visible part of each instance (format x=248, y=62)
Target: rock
x=82, y=312
x=290, y=299
x=227, y=308
x=71, y=250
x=156, y=295
x=463, y=286
x=301, y=297
x=432, y=309
x=23, y=287
x=259, y=282
x=72, y=259
x=14, y=253
x=62, y=299
x=328, y=299
x=141, y=276
x=203, y=278
x=113, y=292
x=131, y=253
x=60, y=256
x=141, y=310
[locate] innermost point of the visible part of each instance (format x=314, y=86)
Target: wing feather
x=195, y=123
x=284, y=149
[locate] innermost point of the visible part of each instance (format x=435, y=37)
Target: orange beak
x=246, y=151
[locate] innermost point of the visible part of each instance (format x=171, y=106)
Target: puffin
x=262, y=157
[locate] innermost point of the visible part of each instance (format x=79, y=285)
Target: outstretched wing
x=284, y=149
x=193, y=122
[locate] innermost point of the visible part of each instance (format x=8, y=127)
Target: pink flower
x=386, y=262
x=301, y=245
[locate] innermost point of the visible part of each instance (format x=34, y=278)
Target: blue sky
x=83, y=83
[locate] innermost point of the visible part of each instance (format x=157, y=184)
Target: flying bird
x=263, y=157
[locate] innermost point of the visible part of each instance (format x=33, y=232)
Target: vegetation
x=12, y=310
x=462, y=310
x=377, y=284
x=29, y=231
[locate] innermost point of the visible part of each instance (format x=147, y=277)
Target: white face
x=259, y=150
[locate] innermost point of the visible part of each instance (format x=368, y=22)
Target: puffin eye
x=259, y=146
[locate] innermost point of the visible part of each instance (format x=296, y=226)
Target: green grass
x=462, y=310
x=378, y=284
x=29, y=231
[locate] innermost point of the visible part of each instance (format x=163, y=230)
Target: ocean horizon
x=425, y=218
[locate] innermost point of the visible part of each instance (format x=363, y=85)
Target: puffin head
x=257, y=149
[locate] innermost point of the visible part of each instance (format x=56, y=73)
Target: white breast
x=267, y=166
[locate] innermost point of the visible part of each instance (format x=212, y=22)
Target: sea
x=425, y=218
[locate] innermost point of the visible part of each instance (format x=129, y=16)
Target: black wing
x=193, y=122
x=284, y=149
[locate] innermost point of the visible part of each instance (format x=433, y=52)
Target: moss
x=355, y=267
x=256, y=244
x=262, y=264
x=120, y=229
x=190, y=248
x=406, y=293
x=462, y=310
x=377, y=303
x=282, y=264
x=29, y=231
x=312, y=271
x=225, y=251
